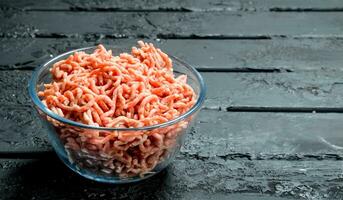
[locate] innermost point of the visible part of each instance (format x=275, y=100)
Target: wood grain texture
x=176, y=5
x=186, y=178
x=210, y=55
x=172, y=24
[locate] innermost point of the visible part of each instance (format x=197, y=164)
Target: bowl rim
x=38, y=103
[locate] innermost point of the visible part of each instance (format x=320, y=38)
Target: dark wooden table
x=272, y=124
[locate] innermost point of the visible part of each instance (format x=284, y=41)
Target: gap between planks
x=280, y=9
x=95, y=36
x=283, y=109
x=179, y=9
x=230, y=156
x=143, y=36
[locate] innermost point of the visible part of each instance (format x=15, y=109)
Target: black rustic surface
x=272, y=124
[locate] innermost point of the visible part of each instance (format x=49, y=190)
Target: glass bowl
x=147, y=154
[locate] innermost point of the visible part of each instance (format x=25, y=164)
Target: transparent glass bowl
x=132, y=161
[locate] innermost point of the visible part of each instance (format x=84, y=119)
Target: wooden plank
x=116, y=5
x=230, y=55
x=176, y=5
x=184, y=179
x=288, y=136
x=312, y=90
x=172, y=24
x=21, y=130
